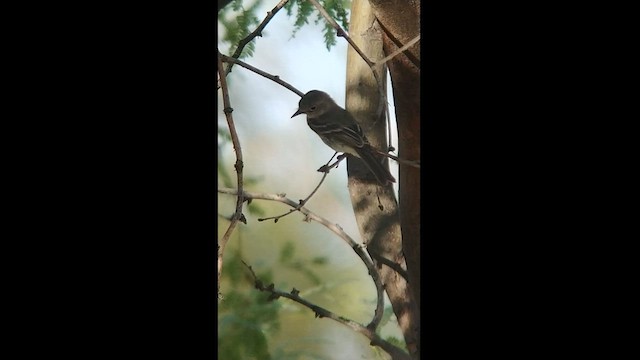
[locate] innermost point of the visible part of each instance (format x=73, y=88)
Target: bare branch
x=237, y=215
x=325, y=170
x=395, y=53
x=395, y=352
x=340, y=32
x=394, y=266
x=274, y=78
x=414, y=163
x=335, y=228
x=256, y=32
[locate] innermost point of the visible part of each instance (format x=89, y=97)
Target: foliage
x=239, y=21
x=289, y=260
x=335, y=8
x=245, y=315
x=397, y=342
x=386, y=317
x=247, y=320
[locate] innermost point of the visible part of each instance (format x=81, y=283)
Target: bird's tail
x=375, y=164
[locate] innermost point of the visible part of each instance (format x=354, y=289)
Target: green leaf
x=320, y=260
x=397, y=342
x=287, y=252
x=329, y=36
x=255, y=210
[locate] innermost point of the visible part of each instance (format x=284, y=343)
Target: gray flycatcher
x=338, y=129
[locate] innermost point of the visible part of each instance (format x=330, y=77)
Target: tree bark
x=380, y=228
x=400, y=23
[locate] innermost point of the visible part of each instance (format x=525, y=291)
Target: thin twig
x=256, y=32
x=325, y=170
x=341, y=33
x=335, y=228
x=395, y=352
x=275, y=78
x=395, y=53
x=237, y=215
x=413, y=163
x=394, y=266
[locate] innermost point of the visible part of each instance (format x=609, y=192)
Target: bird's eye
x=313, y=108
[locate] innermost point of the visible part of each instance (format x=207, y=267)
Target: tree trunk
x=400, y=23
x=380, y=229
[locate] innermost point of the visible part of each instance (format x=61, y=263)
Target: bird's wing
x=347, y=132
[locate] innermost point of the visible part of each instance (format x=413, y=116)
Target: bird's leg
x=325, y=168
x=338, y=159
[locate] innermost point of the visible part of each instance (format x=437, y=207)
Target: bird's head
x=314, y=103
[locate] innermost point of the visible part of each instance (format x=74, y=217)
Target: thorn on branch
x=228, y=110
x=239, y=165
x=275, y=221
x=243, y=219
x=273, y=296
x=340, y=33
x=295, y=292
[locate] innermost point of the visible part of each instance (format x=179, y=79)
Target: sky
x=283, y=152
x=274, y=144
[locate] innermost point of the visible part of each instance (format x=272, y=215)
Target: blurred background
x=282, y=155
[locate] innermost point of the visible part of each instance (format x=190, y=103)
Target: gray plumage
x=338, y=129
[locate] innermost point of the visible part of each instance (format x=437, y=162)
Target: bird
x=339, y=129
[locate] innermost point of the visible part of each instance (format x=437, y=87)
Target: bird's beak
x=297, y=113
